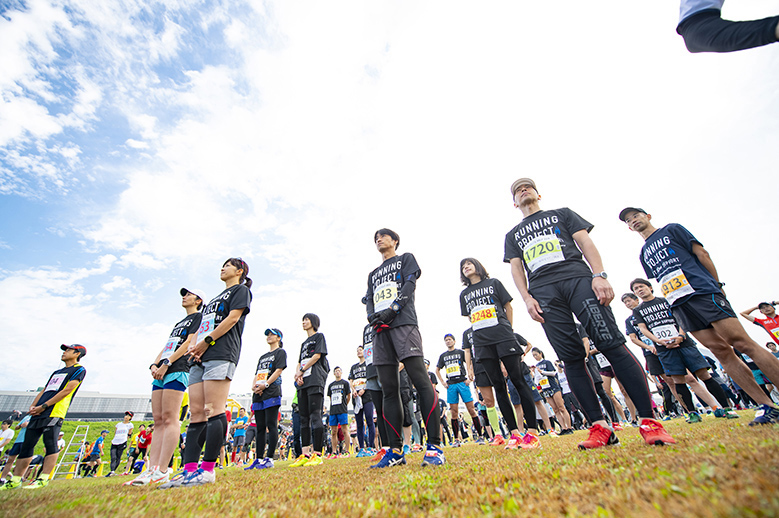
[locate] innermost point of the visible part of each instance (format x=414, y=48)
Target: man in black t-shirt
x=455, y=381
x=545, y=252
x=339, y=393
x=48, y=411
x=389, y=303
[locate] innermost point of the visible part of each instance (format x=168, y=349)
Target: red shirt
x=144, y=439
x=771, y=325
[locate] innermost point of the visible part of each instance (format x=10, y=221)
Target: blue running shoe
x=390, y=459
x=198, y=478
x=765, y=415
x=265, y=463
x=406, y=449
x=434, y=456
x=365, y=452
x=253, y=465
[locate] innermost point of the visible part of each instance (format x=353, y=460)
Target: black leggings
x=377, y=396
x=31, y=437
x=267, y=419
x=494, y=373
x=363, y=417
x=116, y=454
x=310, y=407
x=393, y=406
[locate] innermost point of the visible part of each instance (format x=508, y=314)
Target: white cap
x=200, y=293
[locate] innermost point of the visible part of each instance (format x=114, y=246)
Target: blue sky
x=141, y=144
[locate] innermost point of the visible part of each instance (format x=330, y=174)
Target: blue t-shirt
x=667, y=256
x=22, y=431
x=96, y=446
x=240, y=421
x=689, y=7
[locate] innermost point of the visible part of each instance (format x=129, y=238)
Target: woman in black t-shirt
x=215, y=355
x=551, y=390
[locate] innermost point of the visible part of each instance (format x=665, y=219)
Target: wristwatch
x=45, y=405
x=164, y=361
x=601, y=274
x=208, y=340
x=395, y=307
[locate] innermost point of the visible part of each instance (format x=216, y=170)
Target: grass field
x=719, y=469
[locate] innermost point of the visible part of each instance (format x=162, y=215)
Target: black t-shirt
x=227, y=346
x=631, y=327
x=468, y=345
x=483, y=302
x=386, y=282
x=269, y=363
x=433, y=378
x=57, y=381
x=453, y=363
x=337, y=391
x=592, y=364
x=315, y=376
x=657, y=315
x=358, y=376
x=544, y=241
x=367, y=348
x=189, y=325
x=552, y=381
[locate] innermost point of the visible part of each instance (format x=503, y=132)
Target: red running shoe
x=617, y=426
x=498, y=440
x=654, y=433
x=599, y=436
x=380, y=454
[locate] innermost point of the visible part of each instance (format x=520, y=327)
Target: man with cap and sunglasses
x=690, y=283
x=545, y=252
x=48, y=411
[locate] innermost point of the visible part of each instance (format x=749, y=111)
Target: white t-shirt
x=6, y=436
x=60, y=444
x=122, y=430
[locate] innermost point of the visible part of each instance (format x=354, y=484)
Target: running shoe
x=599, y=436
x=141, y=480
x=390, y=459
x=617, y=426
x=513, y=442
x=111, y=474
x=254, y=465
x=654, y=433
x=12, y=483
x=344, y=455
x=200, y=477
x=456, y=444
x=434, y=456
x=567, y=431
x=694, y=417
x=417, y=448
x=38, y=483
x=667, y=418
x=406, y=449
x=380, y=454
x=161, y=477
x=314, y=460
x=726, y=413
x=175, y=481
x=498, y=440
x=265, y=463
x=529, y=442
x=765, y=415
x=480, y=441
x=552, y=433
x=301, y=461
x=332, y=456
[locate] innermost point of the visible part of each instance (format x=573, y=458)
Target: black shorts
x=141, y=454
x=559, y=301
x=49, y=429
x=395, y=344
x=706, y=31
x=699, y=311
x=653, y=365
x=496, y=351
x=482, y=380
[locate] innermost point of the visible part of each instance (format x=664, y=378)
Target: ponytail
x=241, y=265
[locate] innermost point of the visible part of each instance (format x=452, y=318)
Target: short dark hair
x=313, y=319
x=480, y=270
x=337, y=368
x=765, y=304
x=450, y=335
x=387, y=232
x=639, y=280
x=628, y=295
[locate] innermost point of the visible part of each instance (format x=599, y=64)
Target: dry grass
x=719, y=469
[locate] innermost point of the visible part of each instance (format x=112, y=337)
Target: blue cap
x=275, y=332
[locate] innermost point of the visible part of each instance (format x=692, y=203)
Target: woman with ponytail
x=215, y=355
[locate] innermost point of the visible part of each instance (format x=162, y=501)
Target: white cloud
x=136, y=144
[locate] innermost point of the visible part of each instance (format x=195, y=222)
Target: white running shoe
x=175, y=481
x=161, y=477
x=200, y=477
x=142, y=479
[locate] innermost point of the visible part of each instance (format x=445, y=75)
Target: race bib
x=206, y=326
x=602, y=361
x=55, y=382
x=307, y=372
x=666, y=332
x=484, y=316
x=544, y=249
x=336, y=399
x=544, y=383
x=384, y=295
x=262, y=375
x=359, y=383
x=367, y=352
x=453, y=370
x=170, y=348
x=775, y=332
x=675, y=286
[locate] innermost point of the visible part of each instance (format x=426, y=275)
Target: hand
x=378, y=327
x=445, y=384
x=674, y=342
x=603, y=290
x=159, y=372
x=385, y=316
x=360, y=392
x=153, y=370
x=653, y=350
x=35, y=410
x=534, y=308
x=198, y=350
x=467, y=381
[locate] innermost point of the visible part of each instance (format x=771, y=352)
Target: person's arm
x=634, y=338
x=469, y=364
x=224, y=326
x=746, y=314
x=705, y=259
x=509, y=313
x=586, y=342
x=274, y=376
x=438, y=374
x=646, y=332
x=35, y=401
x=600, y=286
x=518, y=274
x=310, y=363
x=59, y=396
x=159, y=372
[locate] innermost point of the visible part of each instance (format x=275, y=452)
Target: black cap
x=75, y=347
x=624, y=212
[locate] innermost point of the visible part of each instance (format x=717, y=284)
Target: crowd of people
x=510, y=400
